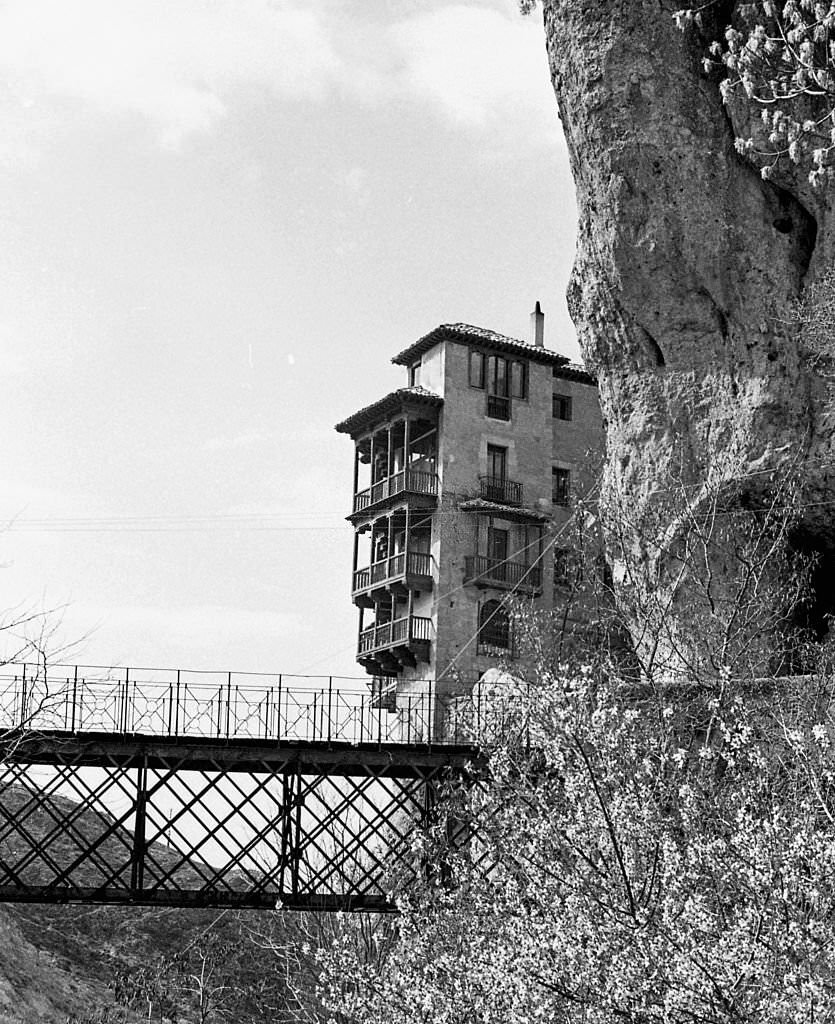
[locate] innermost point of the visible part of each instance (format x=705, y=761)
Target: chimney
x=538, y=327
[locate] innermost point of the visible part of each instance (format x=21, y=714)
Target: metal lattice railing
x=241, y=706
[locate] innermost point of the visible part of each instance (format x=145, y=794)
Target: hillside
x=83, y=964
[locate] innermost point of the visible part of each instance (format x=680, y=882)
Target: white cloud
x=182, y=67
x=473, y=63
x=174, y=64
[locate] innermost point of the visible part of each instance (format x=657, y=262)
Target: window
x=497, y=550
x=496, y=463
x=503, y=379
x=561, y=567
x=498, y=408
x=493, y=628
x=560, y=485
x=476, y=369
x=519, y=379
x=497, y=383
x=562, y=407
x=414, y=375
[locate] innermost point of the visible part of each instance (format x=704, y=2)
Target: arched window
x=493, y=628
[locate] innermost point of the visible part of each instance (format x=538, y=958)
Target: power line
x=453, y=590
x=177, y=524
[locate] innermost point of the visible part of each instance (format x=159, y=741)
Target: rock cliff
x=687, y=265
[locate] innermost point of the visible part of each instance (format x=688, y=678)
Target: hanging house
x=463, y=479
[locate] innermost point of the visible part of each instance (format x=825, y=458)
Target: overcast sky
x=221, y=218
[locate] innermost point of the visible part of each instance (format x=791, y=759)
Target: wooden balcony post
x=356, y=468
x=356, y=555
x=406, y=453
x=372, y=451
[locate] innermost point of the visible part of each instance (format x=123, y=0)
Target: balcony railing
x=397, y=633
x=393, y=568
x=497, y=488
x=493, y=572
x=405, y=481
x=498, y=408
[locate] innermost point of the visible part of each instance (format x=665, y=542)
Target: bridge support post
x=137, y=860
x=291, y=810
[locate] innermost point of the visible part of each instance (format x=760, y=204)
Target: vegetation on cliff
x=647, y=849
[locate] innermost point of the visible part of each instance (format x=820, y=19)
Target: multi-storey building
x=463, y=479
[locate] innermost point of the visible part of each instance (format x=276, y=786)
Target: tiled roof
x=512, y=512
x=468, y=334
x=391, y=403
x=575, y=371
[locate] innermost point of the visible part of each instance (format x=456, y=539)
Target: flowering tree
x=645, y=846
x=778, y=58
x=657, y=857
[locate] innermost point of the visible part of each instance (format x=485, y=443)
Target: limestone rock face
x=686, y=264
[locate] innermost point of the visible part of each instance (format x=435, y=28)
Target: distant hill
x=83, y=964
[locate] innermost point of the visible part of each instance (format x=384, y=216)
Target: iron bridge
x=189, y=789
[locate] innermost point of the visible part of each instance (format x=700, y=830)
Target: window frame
x=524, y=375
x=476, y=357
x=564, y=475
x=497, y=641
x=502, y=535
x=497, y=452
x=565, y=412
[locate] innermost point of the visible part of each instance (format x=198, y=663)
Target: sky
x=220, y=220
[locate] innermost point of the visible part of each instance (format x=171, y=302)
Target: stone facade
x=454, y=506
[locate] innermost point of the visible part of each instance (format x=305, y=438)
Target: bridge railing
x=242, y=706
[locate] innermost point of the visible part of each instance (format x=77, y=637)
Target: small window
x=497, y=382
x=562, y=407
x=561, y=567
x=560, y=485
x=497, y=463
x=497, y=545
x=519, y=379
x=498, y=408
x=414, y=375
x=493, y=628
x=476, y=369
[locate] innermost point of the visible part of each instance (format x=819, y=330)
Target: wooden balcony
x=488, y=572
x=413, y=483
x=500, y=490
x=398, y=573
x=390, y=646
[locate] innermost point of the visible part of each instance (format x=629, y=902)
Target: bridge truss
x=180, y=790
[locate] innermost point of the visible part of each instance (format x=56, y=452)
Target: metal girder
x=206, y=823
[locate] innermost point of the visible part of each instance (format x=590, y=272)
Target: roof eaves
x=506, y=511
x=469, y=334
x=413, y=395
